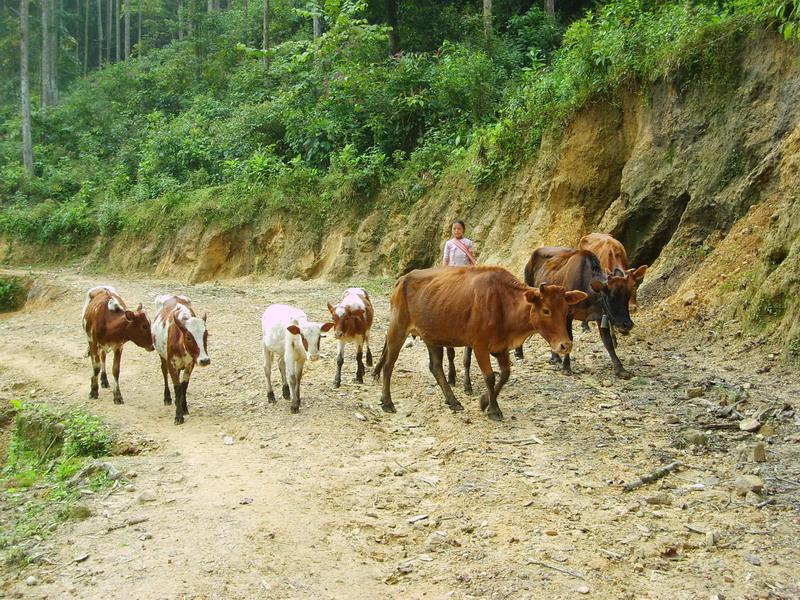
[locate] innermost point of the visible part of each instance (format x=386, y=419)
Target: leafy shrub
x=13, y=292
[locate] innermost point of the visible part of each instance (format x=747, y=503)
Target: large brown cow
x=108, y=325
x=484, y=307
x=352, y=321
x=614, y=261
x=607, y=300
x=182, y=342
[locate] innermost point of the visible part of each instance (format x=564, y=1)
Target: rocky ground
x=249, y=501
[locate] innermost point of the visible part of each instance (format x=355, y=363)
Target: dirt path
x=318, y=505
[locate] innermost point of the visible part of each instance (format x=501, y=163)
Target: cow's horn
x=541, y=287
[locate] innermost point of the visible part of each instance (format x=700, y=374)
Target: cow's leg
x=337, y=380
x=566, y=368
x=369, y=352
x=467, y=365
x=394, y=342
x=167, y=395
x=554, y=359
x=585, y=326
x=451, y=369
x=103, y=376
x=268, y=374
x=282, y=368
x=359, y=362
x=436, y=356
x=293, y=373
x=489, y=399
x=619, y=370
x=518, y=353
x=95, y=354
x=174, y=375
x=185, y=376
x=504, y=362
x=115, y=374
x=613, y=337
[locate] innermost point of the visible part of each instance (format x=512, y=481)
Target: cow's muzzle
x=563, y=348
x=204, y=362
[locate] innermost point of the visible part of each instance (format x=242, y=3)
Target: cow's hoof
x=336, y=383
x=623, y=374
x=93, y=394
x=179, y=420
x=388, y=408
x=369, y=361
x=359, y=380
x=451, y=379
x=468, y=390
x=456, y=407
x=567, y=372
x=285, y=392
x=167, y=401
x=118, y=400
x=294, y=409
x=495, y=416
x=104, y=382
x=554, y=360
x=484, y=401
x=271, y=397
x=185, y=409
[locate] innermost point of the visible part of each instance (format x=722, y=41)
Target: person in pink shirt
x=458, y=250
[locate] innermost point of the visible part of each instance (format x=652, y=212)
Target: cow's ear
x=205, y=317
x=575, y=296
x=533, y=296
x=618, y=272
x=598, y=286
x=175, y=317
x=326, y=327
x=359, y=312
x=638, y=274
x=293, y=329
x=129, y=316
x=331, y=309
x=138, y=308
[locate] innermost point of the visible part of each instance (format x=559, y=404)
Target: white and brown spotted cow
x=108, y=325
x=352, y=319
x=181, y=340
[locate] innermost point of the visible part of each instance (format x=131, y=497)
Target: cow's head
x=137, y=327
x=347, y=320
x=195, y=336
x=617, y=293
x=549, y=305
x=308, y=334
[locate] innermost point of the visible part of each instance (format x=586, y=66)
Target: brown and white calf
x=108, y=325
x=181, y=340
x=352, y=320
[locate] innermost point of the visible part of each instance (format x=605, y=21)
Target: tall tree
x=127, y=28
x=49, y=53
x=550, y=7
x=265, y=33
x=139, y=29
x=25, y=90
x=99, y=33
x=393, y=22
x=116, y=27
x=86, y=36
x=487, y=17
x=109, y=17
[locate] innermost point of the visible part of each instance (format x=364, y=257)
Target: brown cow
x=484, y=307
x=614, y=261
x=352, y=320
x=108, y=325
x=607, y=300
x=182, y=341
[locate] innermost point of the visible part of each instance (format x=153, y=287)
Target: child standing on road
x=458, y=251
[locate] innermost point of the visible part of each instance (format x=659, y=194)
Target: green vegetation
x=47, y=447
x=207, y=126
x=13, y=292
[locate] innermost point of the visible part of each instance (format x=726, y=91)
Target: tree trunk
x=116, y=25
x=109, y=16
x=265, y=34
x=25, y=91
x=128, y=28
x=99, y=33
x=317, y=25
x=550, y=7
x=86, y=37
x=180, y=19
x=393, y=22
x=487, y=17
x=49, y=53
x=245, y=9
x=139, y=30
x=210, y=6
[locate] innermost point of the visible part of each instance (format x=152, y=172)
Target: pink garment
x=454, y=256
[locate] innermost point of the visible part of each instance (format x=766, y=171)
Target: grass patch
x=47, y=447
x=13, y=293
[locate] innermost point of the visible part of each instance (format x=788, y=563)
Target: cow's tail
x=376, y=372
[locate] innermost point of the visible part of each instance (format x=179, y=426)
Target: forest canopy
x=139, y=107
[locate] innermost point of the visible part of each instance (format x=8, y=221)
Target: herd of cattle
x=484, y=309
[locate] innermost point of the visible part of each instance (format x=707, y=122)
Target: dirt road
x=343, y=501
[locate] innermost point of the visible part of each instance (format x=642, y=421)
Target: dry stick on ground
x=555, y=568
x=532, y=440
x=650, y=477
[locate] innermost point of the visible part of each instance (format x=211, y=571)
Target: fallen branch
x=555, y=568
x=532, y=440
x=651, y=477
x=128, y=523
